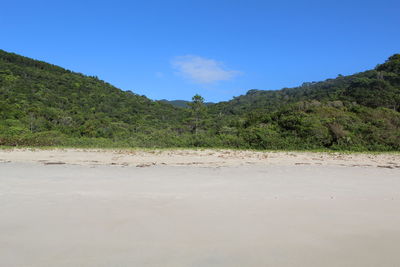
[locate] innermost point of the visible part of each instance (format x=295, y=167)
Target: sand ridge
x=206, y=158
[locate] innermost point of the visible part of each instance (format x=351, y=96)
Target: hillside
x=373, y=88
x=43, y=104
x=176, y=103
x=39, y=99
x=181, y=103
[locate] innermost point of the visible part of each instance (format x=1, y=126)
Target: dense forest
x=45, y=105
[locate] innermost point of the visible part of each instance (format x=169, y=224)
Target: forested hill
x=181, y=103
x=43, y=104
x=373, y=88
x=176, y=103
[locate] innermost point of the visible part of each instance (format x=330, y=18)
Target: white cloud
x=202, y=70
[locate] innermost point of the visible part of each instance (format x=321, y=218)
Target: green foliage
x=44, y=105
x=198, y=114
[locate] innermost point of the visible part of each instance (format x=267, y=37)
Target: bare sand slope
x=276, y=214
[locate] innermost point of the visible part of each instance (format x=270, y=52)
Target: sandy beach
x=199, y=158
x=69, y=207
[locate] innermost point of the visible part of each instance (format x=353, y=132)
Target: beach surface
x=68, y=207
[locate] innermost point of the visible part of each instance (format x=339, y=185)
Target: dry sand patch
x=206, y=158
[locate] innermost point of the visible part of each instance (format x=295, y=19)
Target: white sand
x=190, y=208
x=206, y=158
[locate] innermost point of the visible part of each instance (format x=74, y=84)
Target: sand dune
x=198, y=208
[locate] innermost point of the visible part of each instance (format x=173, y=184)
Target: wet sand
x=66, y=209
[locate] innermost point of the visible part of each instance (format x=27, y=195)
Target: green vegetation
x=181, y=103
x=46, y=105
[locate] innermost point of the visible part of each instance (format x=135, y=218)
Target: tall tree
x=198, y=111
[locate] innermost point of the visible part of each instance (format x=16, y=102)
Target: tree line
x=46, y=105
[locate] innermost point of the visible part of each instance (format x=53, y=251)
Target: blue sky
x=219, y=49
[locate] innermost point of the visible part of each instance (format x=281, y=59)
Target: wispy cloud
x=202, y=70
